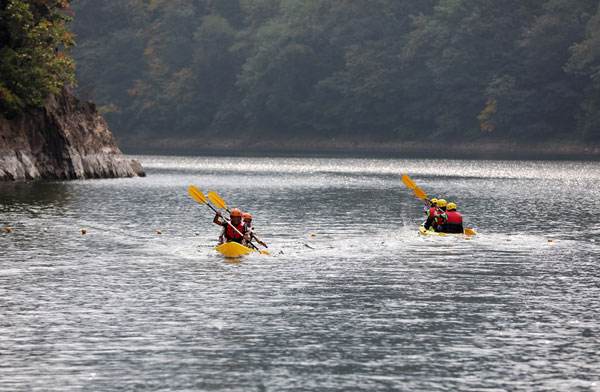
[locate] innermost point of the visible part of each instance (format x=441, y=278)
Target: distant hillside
x=450, y=71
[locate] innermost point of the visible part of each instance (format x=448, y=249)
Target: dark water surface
x=353, y=300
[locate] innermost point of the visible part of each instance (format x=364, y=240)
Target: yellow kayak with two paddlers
x=230, y=249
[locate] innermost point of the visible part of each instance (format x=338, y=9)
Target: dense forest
x=34, y=58
x=378, y=70
x=389, y=69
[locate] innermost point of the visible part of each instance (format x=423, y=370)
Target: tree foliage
x=387, y=69
x=33, y=61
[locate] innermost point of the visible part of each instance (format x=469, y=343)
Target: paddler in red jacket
x=436, y=216
x=454, y=220
x=229, y=233
x=430, y=212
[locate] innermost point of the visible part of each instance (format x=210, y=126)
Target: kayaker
x=430, y=209
x=250, y=229
x=430, y=212
x=229, y=234
x=454, y=220
x=247, y=217
x=440, y=216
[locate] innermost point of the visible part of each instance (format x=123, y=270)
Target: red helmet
x=247, y=215
x=235, y=212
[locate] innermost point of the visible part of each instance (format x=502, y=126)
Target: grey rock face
x=66, y=139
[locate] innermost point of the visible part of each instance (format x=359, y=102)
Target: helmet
x=442, y=203
x=433, y=201
x=247, y=215
x=451, y=207
x=235, y=212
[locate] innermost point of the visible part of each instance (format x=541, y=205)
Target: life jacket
x=431, y=212
x=232, y=235
x=440, y=217
x=454, y=218
x=454, y=222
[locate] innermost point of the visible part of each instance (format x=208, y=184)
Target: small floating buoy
x=158, y=232
x=83, y=231
x=7, y=229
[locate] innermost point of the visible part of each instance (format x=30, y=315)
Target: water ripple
x=352, y=298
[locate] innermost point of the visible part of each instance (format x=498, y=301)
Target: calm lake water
x=352, y=300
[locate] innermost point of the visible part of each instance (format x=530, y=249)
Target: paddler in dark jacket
x=430, y=212
x=229, y=233
x=435, y=214
x=454, y=220
x=440, y=217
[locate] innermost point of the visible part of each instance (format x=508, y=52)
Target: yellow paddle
x=410, y=184
x=421, y=194
x=200, y=198
x=219, y=202
x=469, y=231
x=197, y=195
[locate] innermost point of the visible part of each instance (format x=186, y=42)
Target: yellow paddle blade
x=410, y=184
x=420, y=193
x=217, y=200
x=265, y=252
x=197, y=195
x=470, y=231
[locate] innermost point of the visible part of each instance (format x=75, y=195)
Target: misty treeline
x=387, y=69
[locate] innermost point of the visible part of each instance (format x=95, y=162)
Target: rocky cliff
x=66, y=139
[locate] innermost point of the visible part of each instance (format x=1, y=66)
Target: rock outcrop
x=66, y=139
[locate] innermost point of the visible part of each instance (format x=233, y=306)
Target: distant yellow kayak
x=233, y=250
x=469, y=232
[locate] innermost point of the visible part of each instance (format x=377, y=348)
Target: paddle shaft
x=259, y=240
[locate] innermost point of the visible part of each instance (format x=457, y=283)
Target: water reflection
x=34, y=197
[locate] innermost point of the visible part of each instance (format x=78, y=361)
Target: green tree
x=34, y=62
x=534, y=95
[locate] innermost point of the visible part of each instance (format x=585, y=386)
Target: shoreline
x=66, y=139
x=478, y=150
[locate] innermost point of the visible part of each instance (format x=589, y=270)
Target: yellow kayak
x=469, y=232
x=233, y=250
